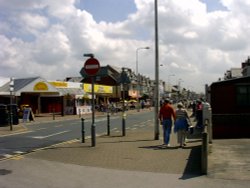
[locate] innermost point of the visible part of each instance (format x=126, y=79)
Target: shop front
x=102, y=95
x=72, y=93
x=35, y=93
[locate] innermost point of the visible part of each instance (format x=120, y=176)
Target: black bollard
x=93, y=135
x=83, y=131
x=123, y=124
x=108, y=124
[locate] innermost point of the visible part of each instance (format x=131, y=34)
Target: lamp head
x=88, y=55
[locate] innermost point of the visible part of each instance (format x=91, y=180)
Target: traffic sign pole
x=91, y=68
x=93, y=135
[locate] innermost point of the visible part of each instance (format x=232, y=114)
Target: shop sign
x=98, y=89
x=59, y=84
x=40, y=86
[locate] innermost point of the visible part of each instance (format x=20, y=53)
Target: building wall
x=228, y=118
x=223, y=99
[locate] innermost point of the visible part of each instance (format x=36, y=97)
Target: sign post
x=91, y=68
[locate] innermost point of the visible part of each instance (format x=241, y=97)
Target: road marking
x=42, y=137
x=19, y=152
x=76, y=123
x=7, y=155
x=18, y=157
x=41, y=129
x=24, y=132
x=58, y=125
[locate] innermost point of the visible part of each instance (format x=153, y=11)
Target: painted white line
x=42, y=137
x=7, y=155
x=18, y=152
x=76, y=123
x=16, y=133
x=58, y=125
x=41, y=129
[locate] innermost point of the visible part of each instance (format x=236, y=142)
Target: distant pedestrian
x=199, y=123
x=193, y=105
x=181, y=124
x=166, y=116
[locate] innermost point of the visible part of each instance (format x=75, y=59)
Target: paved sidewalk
x=137, y=151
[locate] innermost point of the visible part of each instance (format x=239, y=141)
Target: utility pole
x=156, y=74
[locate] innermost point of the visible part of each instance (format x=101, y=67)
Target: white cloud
x=48, y=38
x=33, y=22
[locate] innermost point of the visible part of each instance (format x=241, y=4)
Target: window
x=243, y=95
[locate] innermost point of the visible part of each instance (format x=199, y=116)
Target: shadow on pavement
x=193, y=167
x=160, y=147
x=5, y=172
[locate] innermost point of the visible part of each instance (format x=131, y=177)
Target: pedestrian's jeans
x=167, y=127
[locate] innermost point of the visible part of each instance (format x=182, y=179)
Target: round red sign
x=91, y=66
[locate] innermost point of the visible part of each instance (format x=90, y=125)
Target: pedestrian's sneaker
x=168, y=145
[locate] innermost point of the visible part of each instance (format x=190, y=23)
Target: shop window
x=243, y=95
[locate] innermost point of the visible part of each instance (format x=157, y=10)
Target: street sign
x=91, y=66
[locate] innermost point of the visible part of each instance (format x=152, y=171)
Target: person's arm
x=174, y=114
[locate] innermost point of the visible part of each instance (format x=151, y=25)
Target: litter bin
x=14, y=109
x=3, y=115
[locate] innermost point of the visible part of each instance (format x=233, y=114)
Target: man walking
x=166, y=116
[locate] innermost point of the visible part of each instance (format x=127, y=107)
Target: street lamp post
x=137, y=76
x=11, y=102
x=169, y=82
x=179, y=88
x=157, y=132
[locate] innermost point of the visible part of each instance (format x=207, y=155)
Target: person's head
x=166, y=101
x=180, y=105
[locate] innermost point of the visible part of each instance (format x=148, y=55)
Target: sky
x=199, y=40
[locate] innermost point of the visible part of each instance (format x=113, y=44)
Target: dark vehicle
x=3, y=115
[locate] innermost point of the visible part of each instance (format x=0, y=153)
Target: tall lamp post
x=179, y=88
x=169, y=82
x=11, y=102
x=137, y=76
x=157, y=132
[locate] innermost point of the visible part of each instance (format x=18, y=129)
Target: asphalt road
x=50, y=133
